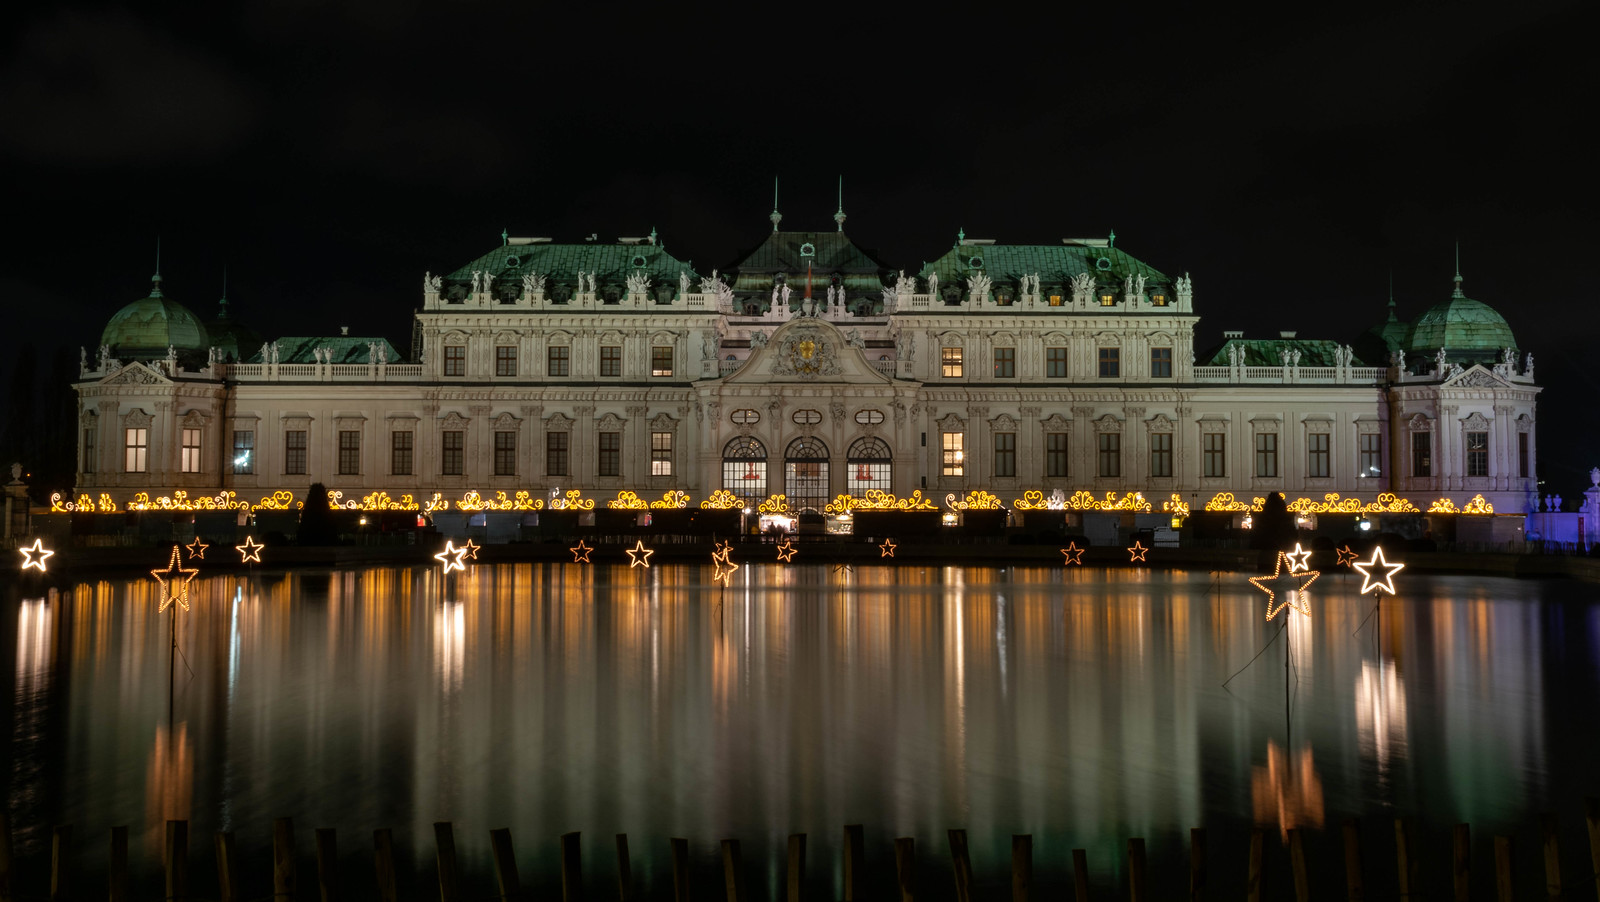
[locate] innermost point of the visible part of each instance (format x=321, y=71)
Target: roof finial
x=1112, y=240
x=839, y=216
x=222, y=304
x=505, y=237
x=652, y=235
x=1392, y=317
x=1457, y=293
x=961, y=235
x=155, y=280
x=776, y=217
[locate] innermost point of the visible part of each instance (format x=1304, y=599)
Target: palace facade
x=811, y=369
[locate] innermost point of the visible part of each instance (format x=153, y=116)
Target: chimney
x=1233, y=333
x=1287, y=334
x=344, y=330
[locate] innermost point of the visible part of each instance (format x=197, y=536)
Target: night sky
x=328, y=153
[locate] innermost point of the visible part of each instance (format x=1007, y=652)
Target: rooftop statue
x=933, y=283
x=978, y=284
x=683, y=283
x=1439, y=361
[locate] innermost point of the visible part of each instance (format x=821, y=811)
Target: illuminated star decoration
x=1137, y=552
x=1296, y=597
x=1299, y=559
x=1384, y=583
x=887, y=548
x=250, y=551
x=580, y=553
x=34, y=555
x=451, y=557
x=1074, y=554
x=724, y=565
x=174, y=581
x=197, y=549
x=786, y=551
x=724, y=547
x=472, y=549
x=1346, y=556
x=640, y=555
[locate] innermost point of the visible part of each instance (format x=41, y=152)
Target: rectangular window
x=1108, y=300
x=400, y=444
x=954, y=456
x=1161, y=363
x=1266, y=454
x=1055, y=454
x=189, y=451
x=137, y=445
x=1317, y=462
x=88, y=451
x=1477, y=453
x=452, y=446
x=1160, y=454
x=555, y=454
x=557, y=360
x=294, y=452
x=1055, y=363
x=1522, y=453
x=244, y=452
x=1110, y=363
x=610, y=459
x=1005, y=363
x=505, y=360
x=661, y=360
x=1371, y=460
x=1005, y=454
x=455, y=360
x=349, y=452
x=1214, y=454
x=950, y=362
x=505, y=453
x=1421, y=454
x=660, y=454
x=1110, y=454
x=611, y=360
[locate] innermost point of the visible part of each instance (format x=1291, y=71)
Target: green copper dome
x=148, y=326
x=1461, y=325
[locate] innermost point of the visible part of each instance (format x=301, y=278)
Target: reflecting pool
x=1081, y=706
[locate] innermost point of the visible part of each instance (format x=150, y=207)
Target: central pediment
x=136, y=373
x=809, y=350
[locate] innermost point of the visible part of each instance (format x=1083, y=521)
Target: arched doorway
x=868, y=466
x=744, y=468
x=805, y=472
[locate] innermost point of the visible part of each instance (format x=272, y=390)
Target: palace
x=809, y=369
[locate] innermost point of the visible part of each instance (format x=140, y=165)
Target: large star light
x=580, y=553
x=250, y=551
x=1137, y=552
x=640, y=555
x=725, y=566
x=786, y=551
x=451, y=557
x=1346, y=556
x=1299, y=559
x=34, y=555
x=174, y=581
x=1074, y=554
x=1295, y=596
x=887, y=548
x=197, y=549
x=1381, y=583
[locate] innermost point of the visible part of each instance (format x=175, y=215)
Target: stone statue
x=758, y=339
x=683, y=283
x=372, y=353
x=83, y=359
x=708, y=284
x=477, y=281
x=211, y=356
x=593, y=287
x=978, y=286
x=906, y=287
x=776, y=289
x=105, y=357
x=837, y=410
x=831, y=292
x=579, y=289
x=1527, y=365
x=487, y=278
x=1508, y=357
x=275, y=352
x=638, y=283
x=784, y=291
x=1594, y=476
x=855, y=340
x=1439, y=361
x=906, y=347
x=1400, y=359
x=708, y=346
x=266, y=353
x=1455, y=370
x=806, y=306
x=933, y=283
x=1082, y=288
x=383, y=354
x=16, y=473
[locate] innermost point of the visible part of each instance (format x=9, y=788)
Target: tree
x=1274, y=527
x=316, y=518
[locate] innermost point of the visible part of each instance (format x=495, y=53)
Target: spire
x=1392, y=316
x=155, y=280
x=1457, y=293
x=776, y=217
x=222, y=303
x=961, y=235
x=839, y=216
x=1112, y=240
x=505, y=237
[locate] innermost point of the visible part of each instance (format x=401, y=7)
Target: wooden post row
x=733, y=870
x=383, y=865
x=444, y=842
x=227, y=868
x=283, y=872
x=963, y=865
x=327, y=864
x=797, y=867
x=571, y=868
x=905, y=859
x=854, y=856
x=1021, y=867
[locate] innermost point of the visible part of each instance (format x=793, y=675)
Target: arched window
x=744, y=468
x=868, y=466
x=805, y=470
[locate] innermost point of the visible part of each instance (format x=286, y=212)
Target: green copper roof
x=560, y=263
x=1055, y=264
x=830, y=255
x=1269, y=352
x=148, y=326
x=1461, y=325
x=346, y=349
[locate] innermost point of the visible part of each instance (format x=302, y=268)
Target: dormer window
x=1158, y=300
x=1108, y=300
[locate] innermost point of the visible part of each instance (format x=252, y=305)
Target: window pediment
x=1108, y=423
x=453, y=421
x=1477, y=422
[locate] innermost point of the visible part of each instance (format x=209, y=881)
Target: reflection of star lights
x=580, y=553
x=472, y=549
x=1295, y=597
x=1137, y=552
x=725, y=566
x=34, y=555
x=1384, y=583
x=887, y=548
x=724, y=547
x=1299, y=559
x=250, y=551
x=174, y=581
x=197, y=549
x=451, y=557
x=640, y=555
x=786, y=551
x=1074, y=554
x=1346, y=556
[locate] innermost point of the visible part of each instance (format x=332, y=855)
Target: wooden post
x=1552, y=856
x=383, y=864
x=5, y=856
x=1297, y=862
x=1021, y=867
x=444, y=842
x=1462, y=866
x=1136, y=870
x=733, y=870
x=1080, y=875
x=905, y=859
x=854, y=860
x=1405, y=858
x=177, y=861
x=117, y=873
x=1355, y=890
x=624, y=870
x=1252, y=886
x=60, y=847
x=1591, y=815
x=1197, y=864
x=571, y=868
x=680, y=870
x=283, y=874
x=963, y=865
x=327, y=864
x=227, y=867
x=505, y=864
x=1504, y=880
x=797, y=867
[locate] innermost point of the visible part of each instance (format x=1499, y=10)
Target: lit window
x=660, y=454
x=954, y=458
x=1477, y=454
x=1108, y=300
x=244, y=452
x=950, y=362
x=137, y=445
x=1158, y=300
x=189, y=461
x=1055, y=300
x=661, y=360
